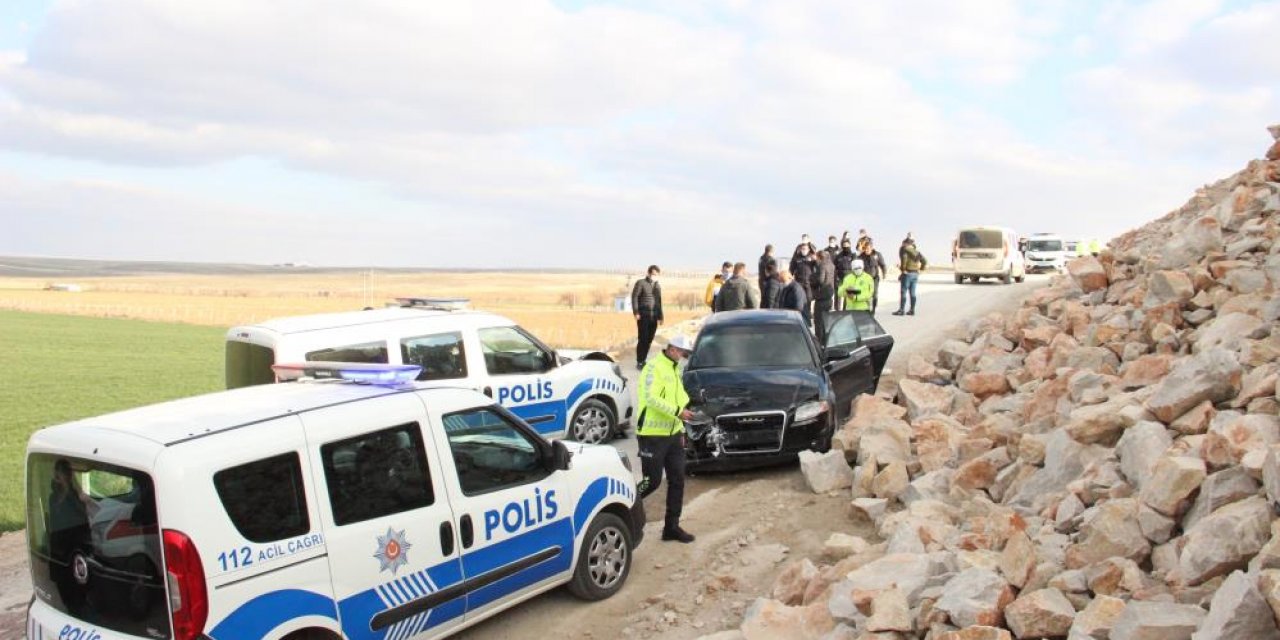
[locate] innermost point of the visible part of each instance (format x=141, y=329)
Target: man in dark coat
x=873, y=262
x=646, y=304
x=769, y=288
x=802, y=271
x=844, y=264
x=736, y=292
x=792, y=295
x=763, y=268
x=824, y=291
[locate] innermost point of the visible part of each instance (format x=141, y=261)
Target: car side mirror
x=560, y=458
x=835, y=354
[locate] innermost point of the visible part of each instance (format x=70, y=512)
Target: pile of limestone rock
x=1103, y=463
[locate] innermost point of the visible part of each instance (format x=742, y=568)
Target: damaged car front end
x=763, y=390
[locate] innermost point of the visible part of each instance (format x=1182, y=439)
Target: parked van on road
x=987, y=252
x=1046, y=251
x=575, y=394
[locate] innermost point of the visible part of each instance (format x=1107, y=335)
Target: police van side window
x=441, y=356
x=377, y=474
x=508, y=350
x=490, y=453
x=265, y=498
x=375, y=352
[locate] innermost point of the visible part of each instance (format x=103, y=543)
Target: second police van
x=576, y=395
x=315, y=510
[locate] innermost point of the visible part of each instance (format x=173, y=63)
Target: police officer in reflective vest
x=660, y=431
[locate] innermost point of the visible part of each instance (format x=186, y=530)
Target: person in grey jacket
x=770, y=288
x=736, y=293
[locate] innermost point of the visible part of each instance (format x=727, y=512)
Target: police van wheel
x=593, y=423
x=605, y=559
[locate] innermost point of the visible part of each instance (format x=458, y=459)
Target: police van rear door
x=389, y=529
x=514, y=511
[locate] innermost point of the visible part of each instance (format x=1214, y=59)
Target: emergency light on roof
x=361, y=372
x=444, y=304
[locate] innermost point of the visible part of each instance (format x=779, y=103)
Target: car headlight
x=809, y=411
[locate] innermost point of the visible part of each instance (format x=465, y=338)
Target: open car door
x=851, y=329
x=849, y=364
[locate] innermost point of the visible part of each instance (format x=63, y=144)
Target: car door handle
x=468, y=535
x=446, y=538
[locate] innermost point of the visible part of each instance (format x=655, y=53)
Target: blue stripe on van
x=257, y=617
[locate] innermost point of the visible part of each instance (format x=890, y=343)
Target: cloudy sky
x=608, y=134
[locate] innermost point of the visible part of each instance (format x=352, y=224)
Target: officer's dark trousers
x=646, y=326
x=658, y=454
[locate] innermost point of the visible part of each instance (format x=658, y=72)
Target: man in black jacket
x=765, y=261
x=802, y=271
x=646, y=304
x=736, y=292
x=824, y=291
x=873, y=262
x=844, y=264
x=792, y=295
x=769, y=288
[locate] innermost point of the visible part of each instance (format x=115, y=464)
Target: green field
x=59, y=368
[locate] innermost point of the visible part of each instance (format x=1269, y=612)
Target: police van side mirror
x=559, y=459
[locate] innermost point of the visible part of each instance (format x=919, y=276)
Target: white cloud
x=698, y=131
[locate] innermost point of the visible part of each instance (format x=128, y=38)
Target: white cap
x=857, y=265
x=681, y=341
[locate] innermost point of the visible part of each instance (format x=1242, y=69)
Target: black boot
x=898, y=312
x=912, y=312
x=677, y=534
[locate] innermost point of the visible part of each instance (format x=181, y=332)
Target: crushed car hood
x=717, y=391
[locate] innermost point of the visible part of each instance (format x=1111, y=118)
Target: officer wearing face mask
x=660, y=431
x=857, y=289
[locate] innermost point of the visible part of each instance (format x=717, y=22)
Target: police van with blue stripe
x=580, y=395
x=355, y=503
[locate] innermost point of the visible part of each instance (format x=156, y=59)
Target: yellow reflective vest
x=866, y=287
x=661, y=397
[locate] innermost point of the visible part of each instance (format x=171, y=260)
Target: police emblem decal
x=393, y=550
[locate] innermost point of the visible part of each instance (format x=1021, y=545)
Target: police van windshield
x=95, y=544
x=762, y=345
x=1044, y=245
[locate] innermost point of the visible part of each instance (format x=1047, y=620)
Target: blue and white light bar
x=444, y=304
x=389, y=375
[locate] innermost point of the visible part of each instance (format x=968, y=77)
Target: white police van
x=579, y=395
x=322, y=509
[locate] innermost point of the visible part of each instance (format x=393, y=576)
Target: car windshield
x=763, y=345
x=1044, y=245
x=980, y=239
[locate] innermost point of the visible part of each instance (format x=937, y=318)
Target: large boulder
x=1139, y=448
x=1045, y=613
x=1164, y=287
x=1187, y=248
x=1088, y=273
x=924, y=399
x=1157, y=621
x=1228, y=332
x=1064, y=461
x=825, y=472
x=1094, y=622
x=1225, y=540
x=975, y=596
x=1112, y=530
x=1214, y=375
x=1173, y=480
x=1238, y=610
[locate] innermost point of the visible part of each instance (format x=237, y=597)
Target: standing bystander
x=646, y=304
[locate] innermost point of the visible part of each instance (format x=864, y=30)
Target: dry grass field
x=540, y=302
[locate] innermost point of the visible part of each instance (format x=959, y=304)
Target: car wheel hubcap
x=607, y=558
x=591, y=426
